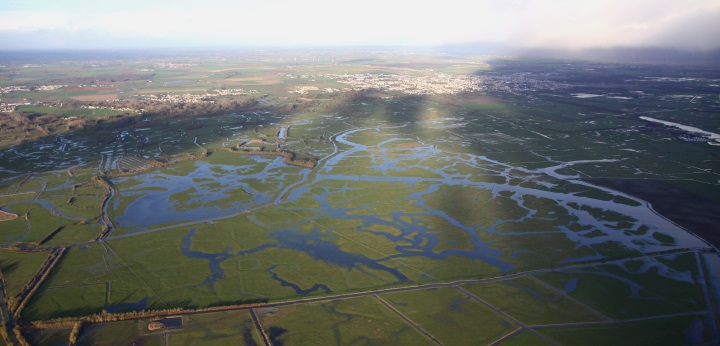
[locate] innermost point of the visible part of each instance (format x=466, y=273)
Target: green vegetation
x=39, y=223
x=47, y=336
x=666, y=331
x=118, y=333
x=181, y=195
x=227, y=327
x=18, y=268
x=450, y=316
x=342, y=322
x=622, y=292
x=532, y=303
x=524, y=338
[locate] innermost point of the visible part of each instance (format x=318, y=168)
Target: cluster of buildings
x=519, y=82
x=233, y=92
x=124, y=109
x=48, y=87
x=9, y=89
x=191, y=98
x=7, y=107
x=305, y=89
x=302, y=76
x=411, y=85
x=171, y=65
x=171, y=98
x=10, y=107
x=432, y=84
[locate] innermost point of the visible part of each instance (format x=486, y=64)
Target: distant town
x=430, y=84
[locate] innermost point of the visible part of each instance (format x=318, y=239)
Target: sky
x=564, y=24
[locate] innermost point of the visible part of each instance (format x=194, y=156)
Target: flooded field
x=383, y=217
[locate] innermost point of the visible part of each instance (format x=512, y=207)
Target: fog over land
x=516, y=24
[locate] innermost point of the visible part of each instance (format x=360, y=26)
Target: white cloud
x=23, y=21
x=519, y=23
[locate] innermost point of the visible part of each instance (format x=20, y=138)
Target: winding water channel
x=155, y=207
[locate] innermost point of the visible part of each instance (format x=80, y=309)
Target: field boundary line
x=595, y=323
x=409, y=321
x=702, y=280
x=523, y=326
x=134, y=273
x=564, y=294
x=259, y=326
x=507, y=336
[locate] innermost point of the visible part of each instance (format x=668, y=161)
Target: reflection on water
x=214, y=259
x=209, y=191
x=327, y=251
x=209, y=183
x=642, y=214
x=295, y=287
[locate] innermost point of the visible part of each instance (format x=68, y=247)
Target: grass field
x=451, y=316
x=47, y=336
x=668, y=331
x=231, y=327
x=411, y=188
x=635, y=289
x=118, y=333
x=351, y=321
x=531, y=302
x=39, y=223
x=524, y=338
x=18, y=268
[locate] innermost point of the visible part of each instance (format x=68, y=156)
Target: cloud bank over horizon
x=563, y=24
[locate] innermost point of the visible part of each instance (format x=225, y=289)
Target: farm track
x=567, y=296
x=457, y=285
x=597, y=323
x=408, y=320
x=706, y=293
x=258, y=325
x=42, y=190
x=32, y=286
x=491, y=279
x=137, y=163
x=6, y=319
x=523, y=326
